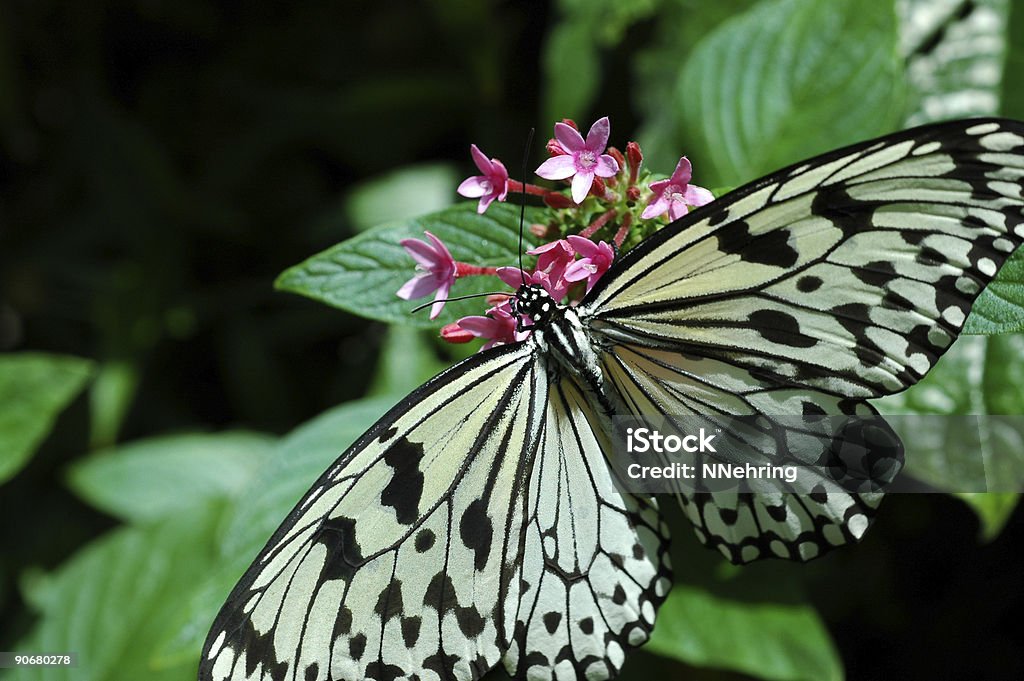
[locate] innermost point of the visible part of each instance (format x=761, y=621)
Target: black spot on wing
x=405, y=488
x=411, y=630
x=769, y=248
x=476, y=532
x=424, y=540
x=357, y=646
x=344, y=556
x=389, y=603
x=442, y=665
x=440, y=594
x=381, y=671
x=471, y=624
x=878, y=273
x=552, y=620
x=780, y=327
x=587, y=625
x=312, y=671
x=342, y=623
x=808, y=283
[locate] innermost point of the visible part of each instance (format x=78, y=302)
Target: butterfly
x=479, y=524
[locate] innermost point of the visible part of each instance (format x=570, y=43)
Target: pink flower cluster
x=566, y=267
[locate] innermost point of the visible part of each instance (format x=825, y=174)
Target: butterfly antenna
x=465, y=297
x=522, y=205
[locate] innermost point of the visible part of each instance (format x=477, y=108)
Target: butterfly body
x=478, y=522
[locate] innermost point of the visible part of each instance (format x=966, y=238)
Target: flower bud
x=453, y=333
x=557, y=200
x=633, y=193
x=636, y=157
x=571, y=123
x=554, y=148
x=539, y=231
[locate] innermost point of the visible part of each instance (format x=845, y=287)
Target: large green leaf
x=112, y=601
x=1000, y=307
x=954, y=55
x=398, y=195
x=362, y=274
x=790, y=79
x=980, y=376
x=297, y=461
x=721, y=616
x=154, y=478
x=34, y=388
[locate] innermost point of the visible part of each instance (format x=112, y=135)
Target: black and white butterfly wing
x=845, y=277
x=472, y=524
x=595, y=565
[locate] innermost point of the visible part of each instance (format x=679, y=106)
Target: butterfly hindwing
x=595, y=565
x=744, y=526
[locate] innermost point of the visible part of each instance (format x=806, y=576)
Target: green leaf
x=297, y=461
x=1012, y=97
x=34, y=389
x=983, y=376
x=401, y=194
x=110, y=397
x=408, y=359
x=572, y=71
x=723, y=617
x=954, y=57
x=1000, y=307
x=362, y=274
x=111, y=602
x=159, y=477
x=790, y=79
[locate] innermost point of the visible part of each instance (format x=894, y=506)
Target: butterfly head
x=534, y=302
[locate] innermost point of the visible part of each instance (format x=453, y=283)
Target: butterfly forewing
x=850, y=273
x=393, y=562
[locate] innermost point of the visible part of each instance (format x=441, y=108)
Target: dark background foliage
x=164, y=161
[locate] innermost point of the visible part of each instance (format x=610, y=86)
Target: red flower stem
x=466, y=270
x=598, y=223
x=620, y=236
x=516, y=187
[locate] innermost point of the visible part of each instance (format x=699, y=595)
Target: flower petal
x=485, y=201
x=697, y=196
x=582, y=245
x=569, y=137
x=677, y=210
x=417, y=287
x=482, y=327
x=480, y=159
x=655, y=208
x=597, y=138
x=683, y=172
x=439, y=299
x=581, y=184
x=513, y=276
x=557, y=168
x=423, y=253
x=472, y=187
x=443, y=255
x=606, y=166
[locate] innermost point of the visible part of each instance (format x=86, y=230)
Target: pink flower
x=437, y=271
x=493, y=184
x=514, y=277
x=554, y=257
x=676, y=194
x=595, y=261
x=582, y=160
x=498, y=327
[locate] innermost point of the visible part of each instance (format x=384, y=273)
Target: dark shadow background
x=163, y=161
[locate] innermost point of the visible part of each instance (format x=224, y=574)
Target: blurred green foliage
x=164, y=162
